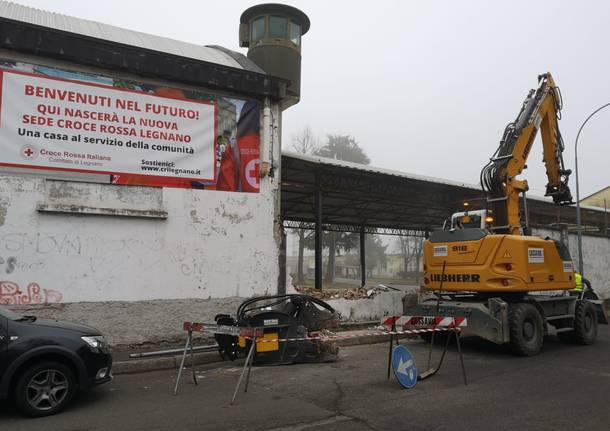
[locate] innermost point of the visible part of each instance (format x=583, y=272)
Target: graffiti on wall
x=41, y=243
x=11, y=294
x=10, y=263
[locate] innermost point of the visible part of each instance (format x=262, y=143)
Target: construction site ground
x=564, y=387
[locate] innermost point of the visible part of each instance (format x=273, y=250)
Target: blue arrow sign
x=404, y=367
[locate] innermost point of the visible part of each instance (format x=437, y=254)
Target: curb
x=163, y=363
x=173, y=362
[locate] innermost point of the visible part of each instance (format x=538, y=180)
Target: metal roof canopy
x=333, y=195
x=358, y=196
x=381, y=200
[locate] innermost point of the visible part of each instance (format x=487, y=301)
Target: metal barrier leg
x=459, y=347
x=186, y=347
x=393, y=330
x=430, y=372
x=248, y=375
x=246, y=365
x=193, y=363
x=430, y=350
x=390, y=354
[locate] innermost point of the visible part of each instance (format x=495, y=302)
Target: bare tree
x=410, y=247
x=375, y=253
x=303, y=142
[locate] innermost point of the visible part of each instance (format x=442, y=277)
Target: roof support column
x=318, y=234
x=362, y=257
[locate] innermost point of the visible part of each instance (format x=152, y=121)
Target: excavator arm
x=541, y=110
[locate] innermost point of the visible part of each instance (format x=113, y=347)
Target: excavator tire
x=526, y=329
x=585, y=323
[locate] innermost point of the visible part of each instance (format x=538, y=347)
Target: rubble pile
x=351, y=293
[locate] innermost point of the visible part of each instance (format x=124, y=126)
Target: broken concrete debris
x=350, y=293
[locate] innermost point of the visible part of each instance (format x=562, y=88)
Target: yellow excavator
x=487, y=267
x=496, y=256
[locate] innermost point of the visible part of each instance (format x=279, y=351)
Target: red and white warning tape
x=212, y=328
x=256, y=333
x=366, y=334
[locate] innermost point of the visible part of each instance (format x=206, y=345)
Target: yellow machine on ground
x=498, y=257
x=486, y=266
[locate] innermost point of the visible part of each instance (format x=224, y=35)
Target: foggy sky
x=425, y=87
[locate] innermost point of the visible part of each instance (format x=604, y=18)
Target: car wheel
x=526, y=329
x=45, y=389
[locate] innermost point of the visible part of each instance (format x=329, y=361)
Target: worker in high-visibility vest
x=580, y=280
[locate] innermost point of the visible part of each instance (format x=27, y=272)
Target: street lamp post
x=578, y=220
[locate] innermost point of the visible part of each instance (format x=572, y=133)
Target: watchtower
x=272, y=33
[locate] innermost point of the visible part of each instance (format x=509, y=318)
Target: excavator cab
x=481, y=219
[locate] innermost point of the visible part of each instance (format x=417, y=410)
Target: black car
x=43, y=363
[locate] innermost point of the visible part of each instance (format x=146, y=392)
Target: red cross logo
x=251, y=170
x=28, y=152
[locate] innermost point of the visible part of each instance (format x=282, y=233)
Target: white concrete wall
x=211, y=245
x=596, y=258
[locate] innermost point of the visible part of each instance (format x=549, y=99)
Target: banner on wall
x=137, y=133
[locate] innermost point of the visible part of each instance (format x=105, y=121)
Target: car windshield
x=5, y=312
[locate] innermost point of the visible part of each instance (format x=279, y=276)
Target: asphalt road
x=565, y=387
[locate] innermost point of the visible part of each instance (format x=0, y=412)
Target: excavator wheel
x=590, y=294
x=526, y=329
x=585, y=323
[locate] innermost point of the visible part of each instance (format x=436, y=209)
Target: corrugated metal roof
x=97, y=30
x=354, y=196
x=368, y=168
x=382, y=171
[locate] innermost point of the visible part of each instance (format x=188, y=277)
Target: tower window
x=278, y=27
x=295, y=33
x=257, y=31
